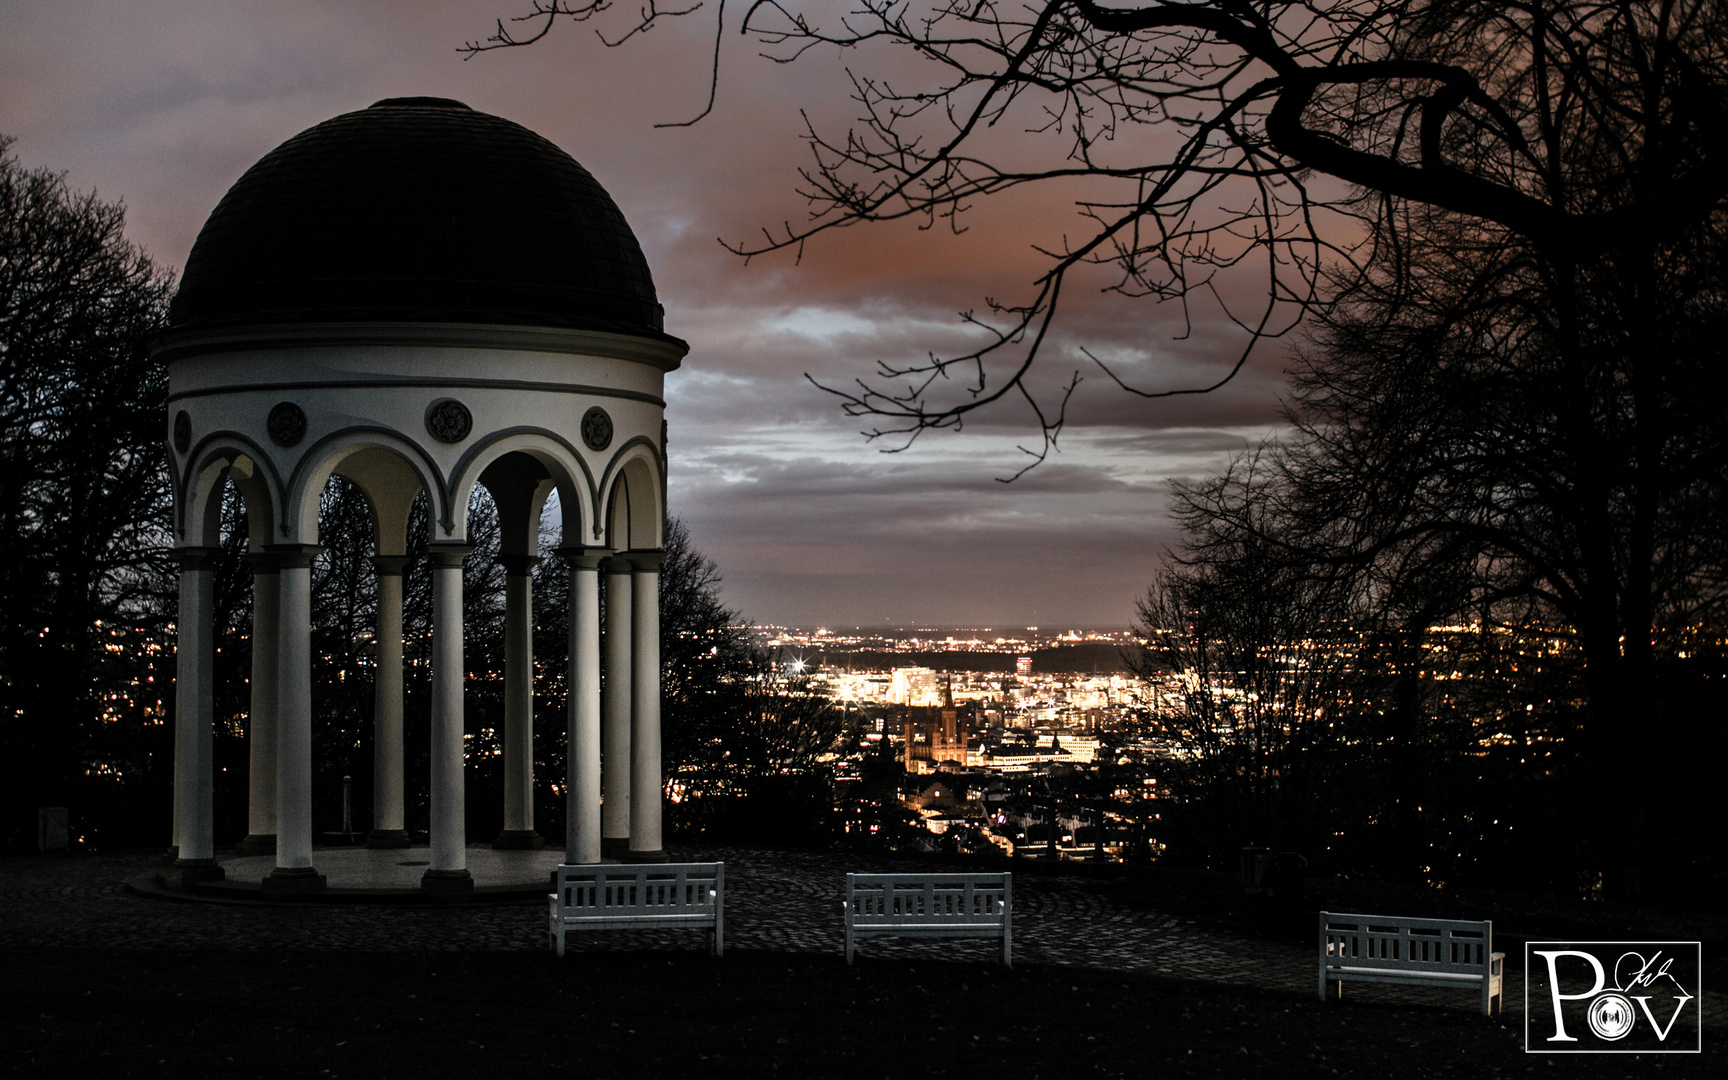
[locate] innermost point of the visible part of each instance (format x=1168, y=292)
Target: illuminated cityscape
x=1051, y=743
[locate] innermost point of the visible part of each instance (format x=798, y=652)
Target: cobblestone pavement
x=776, y=902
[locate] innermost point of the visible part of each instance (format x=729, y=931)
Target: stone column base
x=447, y=883
x=388, y=838
x=257, y=844
x=294, y=881
x=188, y=871
x=646, y=856
x=614, y=847
x=518, y=840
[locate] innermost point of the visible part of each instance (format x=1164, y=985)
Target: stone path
x=776, y=902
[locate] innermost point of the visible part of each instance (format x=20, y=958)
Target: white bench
x=1428, y=952
x=931, y=905
x=639, y=896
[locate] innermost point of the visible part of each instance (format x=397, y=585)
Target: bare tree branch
x=1198, y=129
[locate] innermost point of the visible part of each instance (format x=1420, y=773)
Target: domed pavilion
x=422, y=298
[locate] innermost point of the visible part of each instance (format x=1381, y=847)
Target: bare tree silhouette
x=83, y=494
x=1208, y=137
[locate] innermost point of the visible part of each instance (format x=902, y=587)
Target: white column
x=518, y=703
x=582, y=740
x=294, y=872
x=449, y=869
x=646, y=782
x=194, y=797
x=615, y=712
x=261, y=722
x=388, y=829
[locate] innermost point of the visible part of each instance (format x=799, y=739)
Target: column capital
x=263, y=562
x=582, y=558
x=445, y=556
x=646, y=559
x=615, y=563
x=293, y=556
x=194, y=558
x=518, y=565
x=390, y=565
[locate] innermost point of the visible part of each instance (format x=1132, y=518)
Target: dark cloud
x=165, y=104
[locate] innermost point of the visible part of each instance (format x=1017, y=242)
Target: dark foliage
x=84, y=500
x=1492, y=433
x=744, y=740
x=1492, y=437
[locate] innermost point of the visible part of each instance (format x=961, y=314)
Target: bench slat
x=609, y=896
x=930, y=905
x=1410, y=951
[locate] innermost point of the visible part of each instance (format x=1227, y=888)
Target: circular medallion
x=448, y=420
x=1611, y=1017
x=287, y=424
x=182, y=431
x=596, y=428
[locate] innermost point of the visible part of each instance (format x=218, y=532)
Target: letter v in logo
x=1662, y=1032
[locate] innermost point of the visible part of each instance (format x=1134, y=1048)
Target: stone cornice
x=664, y=353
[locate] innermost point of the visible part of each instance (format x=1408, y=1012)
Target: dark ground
x=75, y=1013
x=77, y=1010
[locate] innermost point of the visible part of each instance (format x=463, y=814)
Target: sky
x=163, y=104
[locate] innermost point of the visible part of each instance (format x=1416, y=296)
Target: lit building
x=938, y=740
x=913, y=686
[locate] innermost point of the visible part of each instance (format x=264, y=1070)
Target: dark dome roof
x=418, y=210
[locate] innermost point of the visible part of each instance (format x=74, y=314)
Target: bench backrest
x=1405, y=944
x=932, y=899
x=645, y=889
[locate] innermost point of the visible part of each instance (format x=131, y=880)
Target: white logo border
x=1698, y=996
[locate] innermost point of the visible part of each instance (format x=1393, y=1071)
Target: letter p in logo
x=1554, y=987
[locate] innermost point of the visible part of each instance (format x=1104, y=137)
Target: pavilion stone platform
x=361, y=875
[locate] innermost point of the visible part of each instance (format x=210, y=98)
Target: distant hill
x=1085, y=658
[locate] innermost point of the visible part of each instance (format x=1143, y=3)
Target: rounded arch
x=390, y=485
x=578, y=494
x=381, y=457
x=198, y=491
x=634, y=510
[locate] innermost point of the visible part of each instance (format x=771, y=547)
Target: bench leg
x=848, y=941
x=1007, y=946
